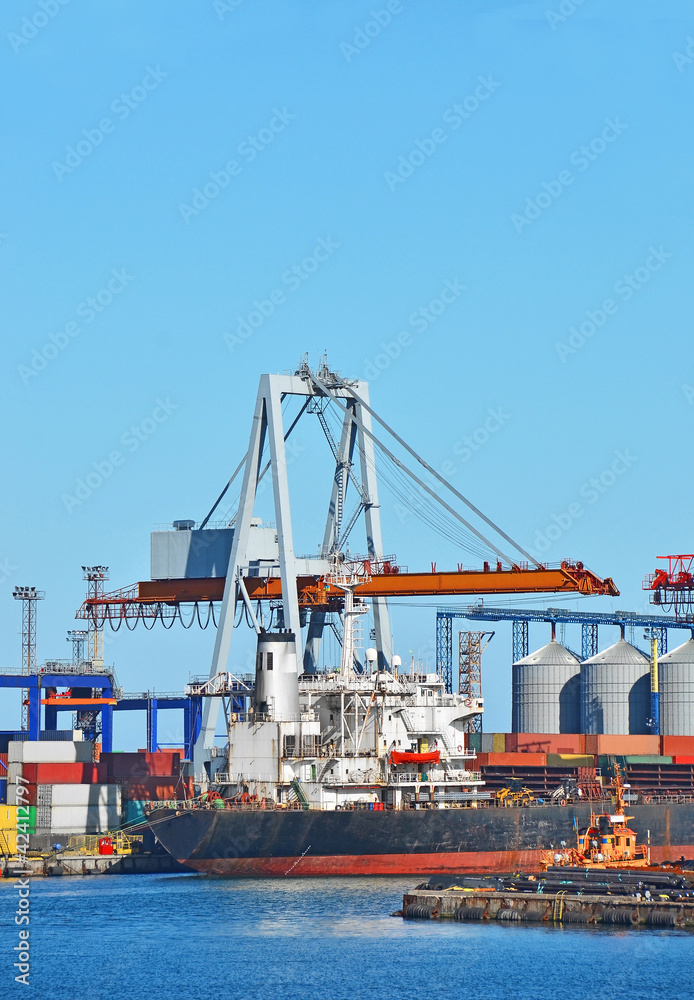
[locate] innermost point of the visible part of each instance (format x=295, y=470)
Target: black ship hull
x=247, y=842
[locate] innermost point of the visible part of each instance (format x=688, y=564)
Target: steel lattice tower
x=78, y=638
x=95, y=576
x=28, y=596
x=470, y=673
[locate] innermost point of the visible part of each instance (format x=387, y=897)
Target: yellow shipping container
x=8, y=829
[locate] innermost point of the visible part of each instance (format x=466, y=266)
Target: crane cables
x=432, y=493
x=416, y=502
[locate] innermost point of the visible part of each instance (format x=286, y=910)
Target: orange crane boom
x=316, y=591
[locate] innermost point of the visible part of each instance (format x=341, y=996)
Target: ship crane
x=305, y=587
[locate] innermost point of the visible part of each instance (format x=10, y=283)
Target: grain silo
x=676, y=683
x=546, y=691
x=615, y=691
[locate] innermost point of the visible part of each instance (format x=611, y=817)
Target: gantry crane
x=301, y=585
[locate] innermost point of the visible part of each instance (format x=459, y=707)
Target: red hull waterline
x=390, y=864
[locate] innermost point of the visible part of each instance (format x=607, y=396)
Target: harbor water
x=164, y=937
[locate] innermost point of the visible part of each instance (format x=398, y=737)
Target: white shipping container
x=12, y=798
x=84, y=819
x=14, y=772
x=50, y=751
x=86, y=795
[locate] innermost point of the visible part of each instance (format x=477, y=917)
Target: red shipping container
x=676, y=745
x=543, y=743
x=24, y=800
x=683, y=759
x=157, y=789
x=142, y=765
x=481, y=760
x=622, y=746
x=3, y=765
x=64, y=774
x=516, y=759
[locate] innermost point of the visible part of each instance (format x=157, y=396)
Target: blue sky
x=178, y=164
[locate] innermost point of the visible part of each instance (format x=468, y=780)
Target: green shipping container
x=133, y=810
x=647, y=759
x=474, y=741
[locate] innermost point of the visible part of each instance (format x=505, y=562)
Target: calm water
x=165, y=937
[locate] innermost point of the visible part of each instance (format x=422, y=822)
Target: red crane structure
x=673, y=588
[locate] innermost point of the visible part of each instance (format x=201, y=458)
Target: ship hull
x=246, y=843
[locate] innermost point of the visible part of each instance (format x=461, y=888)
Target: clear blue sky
x=177, y=163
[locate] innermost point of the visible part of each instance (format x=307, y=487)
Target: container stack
x=654, y=765
x=144, y=778
x=65, y=791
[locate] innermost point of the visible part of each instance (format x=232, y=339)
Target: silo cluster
x=546, y=691
x=616, y=691
x=676, y=683
x=554, y=692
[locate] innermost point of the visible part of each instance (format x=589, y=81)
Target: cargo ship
x=353, y=774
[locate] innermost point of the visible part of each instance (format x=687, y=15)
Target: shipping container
x=83, y=795
x=40, y=752
x=61, y=774
x=570, y=760
x=3, y=790
x=622, y=745
x=25, y=796
x=84, y=819
x=672, y=745
x=133, y=810
x=543, y=743
x=158, y=789
x=646, y=759
x=516, y=760
x=142, y=765
x=683, y=759
x=474, y=741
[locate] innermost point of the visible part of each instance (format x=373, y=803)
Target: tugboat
x=607, y=842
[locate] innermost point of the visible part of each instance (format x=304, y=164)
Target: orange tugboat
x=607, y=842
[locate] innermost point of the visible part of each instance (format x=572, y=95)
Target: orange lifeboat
x=410, y=757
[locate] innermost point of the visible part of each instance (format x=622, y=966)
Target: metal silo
x=546, y=691
x=615, y=691
x=676, y=683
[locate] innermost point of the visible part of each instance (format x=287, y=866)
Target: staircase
x=300, y=795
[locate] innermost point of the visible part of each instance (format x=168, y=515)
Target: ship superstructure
x=382, y=738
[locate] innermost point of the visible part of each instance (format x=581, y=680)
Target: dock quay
x=550, y=908
x=78, y=863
